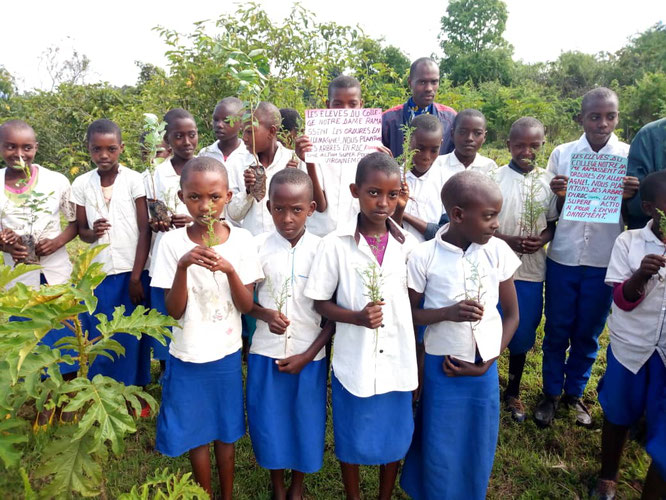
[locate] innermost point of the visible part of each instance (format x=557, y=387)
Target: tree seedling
x=406, y=159
x=533, y=207
x=32, y=209
x=280, y=297
x=473, y=283
x=152, y=140
x=373, y=280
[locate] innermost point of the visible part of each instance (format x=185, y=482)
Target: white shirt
x=636, y=334
x=452, y=165
x=239, y=157
x=341, y=205
x=210, y=327
x=368, y=362
x=583, y=243
x=123, y=236
x=56, y=267
x=425, y=195
x=243, y=208
x=286, y=270
x=515, y=189
x=446, y=275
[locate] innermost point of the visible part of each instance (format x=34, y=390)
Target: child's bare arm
x=509, y=302
x=47, y=246
x=534, y=243
x=136, y=291
x=465, y=310
x=634, y=288
x=370, y=316
x=87, y=234
x=277, y=322
x=294, y=364
x=514, y=242
x=403, y=199
x=419, y=224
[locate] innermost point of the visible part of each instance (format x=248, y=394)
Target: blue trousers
x=577, y=305
x=530, y=306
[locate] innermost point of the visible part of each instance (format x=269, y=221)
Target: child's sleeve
x=137, y=187
x=553, y=161
x=324, y=273
x=77, y=193
x=619, y=269
x=507, y=261
x=166, y=262
x=249, y=268
x=417, y=270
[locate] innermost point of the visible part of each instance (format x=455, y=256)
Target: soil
x=159, y=211
x=258, y=191
x=28, y=241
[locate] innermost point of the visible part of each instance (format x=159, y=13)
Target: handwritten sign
x=594, y=190
x=342, y=136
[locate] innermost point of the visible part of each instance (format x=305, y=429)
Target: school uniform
x=334, y=180
x=425, y=198
x=286, y=413
x=457, y=421
x=636, y=361
x=374, y=371
x=202, y=387
x=56, y=268
x=118, y=260
x=515, y=186
x=577, y=299
x=238, y=155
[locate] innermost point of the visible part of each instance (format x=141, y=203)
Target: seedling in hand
x=152, y=140
x=406, y=159
x=373, y=280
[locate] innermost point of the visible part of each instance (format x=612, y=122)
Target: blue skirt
x=457, y=423
x=286, y=414
x=530, y=307
x=159, y=351
x=134, y=367
x=371, y=431
x=201, y=403
x=656, y=438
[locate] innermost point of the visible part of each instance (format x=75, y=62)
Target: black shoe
x=516, y=407
x=544, y=413
x=583, y=417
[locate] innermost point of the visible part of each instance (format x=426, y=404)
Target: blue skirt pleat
x=457, y=423
x=286, y=414
x=134, y=367
x=371, y=431
x=159, y=351
x=201, y=403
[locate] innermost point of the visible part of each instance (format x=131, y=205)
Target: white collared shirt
x=240, y=154
x=286, y=270
x=210, y=327
x=368, y=362
x=55, y=267
x=515, y=188
x=446, y=274
x=583, y=243
x=452, y=165
x=636, y=334
x=341, y=205
x=123, y=236
x=425, y=195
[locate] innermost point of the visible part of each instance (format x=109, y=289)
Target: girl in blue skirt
x=359, y=280
x=208, y=269
x=461, y=274
x=286, y=373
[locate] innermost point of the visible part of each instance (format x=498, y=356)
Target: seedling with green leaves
x=210, y=239
x=153, y=130
x=473, y=283
x=662, y=233
x=533, y=205
x=280, y=297
x=33, y=207
x=373, y=280
x=406, y=159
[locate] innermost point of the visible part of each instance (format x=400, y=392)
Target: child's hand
x=292, y=364
x=559, y=185
x=250, y=179
x=136, y=291
x=181, y=220
x=384, y=149
x=221, y=264
x=403, y=197
x=651, y=264
x=371, y=315
x=515, y=243
x=18, y=251
x=8, y=237
x=158, y=226
x=303, y=145
x=630, y=185
x=292, y=163
x=46, y=247
x=532, y=244
x=454, y=367
x=100, y=227
x=200, y=256
x=466, y=310
x=277, y=322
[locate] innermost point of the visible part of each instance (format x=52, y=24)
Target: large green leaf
x=12, y=432
x=86, y=276
x=141, y=321
x=8, y=274
x=165, y=485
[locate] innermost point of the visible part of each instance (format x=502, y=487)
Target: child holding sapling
x=358, y=279
x=208, y=270
x=576, y=299
x=527, y=224
x=636, y=358
x=287, y=371
x=460, y=276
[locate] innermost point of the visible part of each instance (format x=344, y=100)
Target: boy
x=636, y=361
x=577, y=300
x=527, y=224
x=454, y=443
x=287, y=372
x=228, y=148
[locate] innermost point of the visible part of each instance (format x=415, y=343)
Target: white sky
x=114, y=34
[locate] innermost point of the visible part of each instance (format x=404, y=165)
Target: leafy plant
x=280, y=297
x=153, y=135
x=473, y=283
x=165, y=485
x=210, y=239
x=406, y=159
x=373, y=280
x=32, y=209
x=533, y=207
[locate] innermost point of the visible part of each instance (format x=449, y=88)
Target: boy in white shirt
x=228, y=149
x=287, y=370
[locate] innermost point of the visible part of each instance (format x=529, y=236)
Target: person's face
x=427, y=144
x=205, y=193
x=424, y=83
x=226, y=123
x=469, y=135
x=183, y=138
x=377, y=195
x=479, y=221
x=264, y=136
x=18, y=143
x=349, y=98
x=105, y=150
x=524, y=144
x=290, y=205
x=599, y=120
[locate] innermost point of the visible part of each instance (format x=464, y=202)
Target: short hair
x=202, y=164
x=376, y=162
x=343, y=82
x=597, y=94
x=230, y=102
x=653, y=185
x=292, y=176
x=16, y=125
x=291, y=119
x=427, y=123
x=268, y=114
x=175, y=114
x=466, y=188
x=526, y=122
x=467, y=113
x=103, y=126
x=419, y=62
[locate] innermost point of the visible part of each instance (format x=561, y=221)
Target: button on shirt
x=123, y=235
x=446, y=274
x=210, y=327
x=583, y=243
x=368, y=362
x=425, y=200
x=636, y=334
x=286, y=270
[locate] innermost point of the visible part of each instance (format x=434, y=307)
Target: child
x=635, y=373
x=228, y=149
x=111, y=209
x=358, y=279
x=209, y=281
x=260, y=139
x=527, y=224
x=287, y=372
x=577, y=300
x=454, y=443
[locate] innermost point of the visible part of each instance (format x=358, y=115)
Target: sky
x=116, y=33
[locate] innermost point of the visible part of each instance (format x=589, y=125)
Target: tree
x=574, y=73
x=63, y=69
x=7, y=85
x=645, y=53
